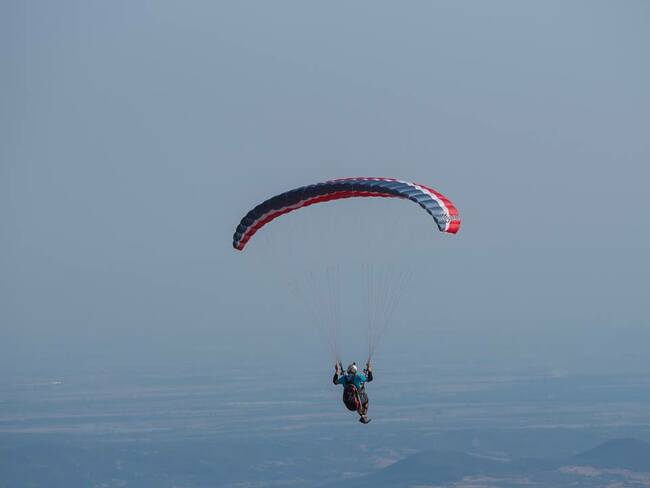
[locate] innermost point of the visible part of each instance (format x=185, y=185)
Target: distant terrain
x=619, y=463
x=155, y=428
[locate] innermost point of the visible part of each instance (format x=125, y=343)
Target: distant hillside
x=631, y=454
x=430, y=467
x=442, y=468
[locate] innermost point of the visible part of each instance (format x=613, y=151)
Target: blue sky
x=136, y=134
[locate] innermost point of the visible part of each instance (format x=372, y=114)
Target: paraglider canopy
x=435, y=203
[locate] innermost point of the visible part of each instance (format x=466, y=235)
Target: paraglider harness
x=351, y=397
x=352, y=394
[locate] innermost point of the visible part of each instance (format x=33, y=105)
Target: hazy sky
x=134, y=136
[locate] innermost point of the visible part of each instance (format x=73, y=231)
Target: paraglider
x=355, y=397
x=383, y=287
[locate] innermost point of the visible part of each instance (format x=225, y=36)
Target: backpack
x=351, y=397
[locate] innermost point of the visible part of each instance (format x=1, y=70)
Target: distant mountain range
x=625, y=462
x=197, y=462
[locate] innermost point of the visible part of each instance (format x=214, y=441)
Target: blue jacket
x=358, y=379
